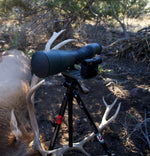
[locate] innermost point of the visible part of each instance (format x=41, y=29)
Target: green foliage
x=128, y=8
x=16, y=6
x=102, y=71
x=79, y=8
x=120, y=10
x=53, y=15
x=72, y=9
x=30, y=52
x=103, y=9
x=76, y=9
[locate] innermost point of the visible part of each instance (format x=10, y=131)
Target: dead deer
x=15, y=80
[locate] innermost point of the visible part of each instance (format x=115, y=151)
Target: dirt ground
x=129, y=134
x=124, y=79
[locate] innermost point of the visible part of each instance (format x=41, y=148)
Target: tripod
x=72, y=85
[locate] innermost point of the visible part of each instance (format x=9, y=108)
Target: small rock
x=136, y=92
x=85, y=120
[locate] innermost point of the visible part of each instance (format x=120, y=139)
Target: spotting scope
x=44, y=64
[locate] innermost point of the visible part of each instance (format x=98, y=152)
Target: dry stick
x=139, y=127
x=146, y=132
x=134, y=45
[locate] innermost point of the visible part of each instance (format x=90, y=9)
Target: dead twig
x=143, y=128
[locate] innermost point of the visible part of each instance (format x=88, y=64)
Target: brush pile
x=136, y=47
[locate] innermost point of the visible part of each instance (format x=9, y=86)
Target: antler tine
x=79, y=145
x=105, y=122
x=60, y=151
x=34, y=81
x=32, y=116
x=52, y=39
x=37, y=143
x=111, y=104
x=108, y=107
x=63, y=43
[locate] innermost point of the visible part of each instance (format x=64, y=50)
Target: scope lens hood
x=40, y=64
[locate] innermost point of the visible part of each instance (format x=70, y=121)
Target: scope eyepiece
x=89, y=67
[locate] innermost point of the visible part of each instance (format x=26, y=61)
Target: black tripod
x=72, y=86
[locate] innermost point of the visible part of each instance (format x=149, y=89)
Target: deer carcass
x=15, y=77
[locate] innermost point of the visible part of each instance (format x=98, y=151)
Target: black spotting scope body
x=44, y=64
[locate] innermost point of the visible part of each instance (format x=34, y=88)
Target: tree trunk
x=121, y=24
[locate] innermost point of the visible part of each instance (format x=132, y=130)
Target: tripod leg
x=82, y=106
x=59, y=121
x=97, y=133
x=70, y=121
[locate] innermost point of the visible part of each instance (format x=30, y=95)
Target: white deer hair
x=14, y=125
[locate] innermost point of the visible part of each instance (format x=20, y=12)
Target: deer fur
x=15, y=77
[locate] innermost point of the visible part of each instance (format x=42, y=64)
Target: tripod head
x=74, y=77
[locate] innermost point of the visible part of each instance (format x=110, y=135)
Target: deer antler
x=30, y=103
x=30, y=96
x=32, y=116
x=58, y=46
x=104, y=123
x=37, y=143
x=55, y=35
x=78, y=145
x=53, y=38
